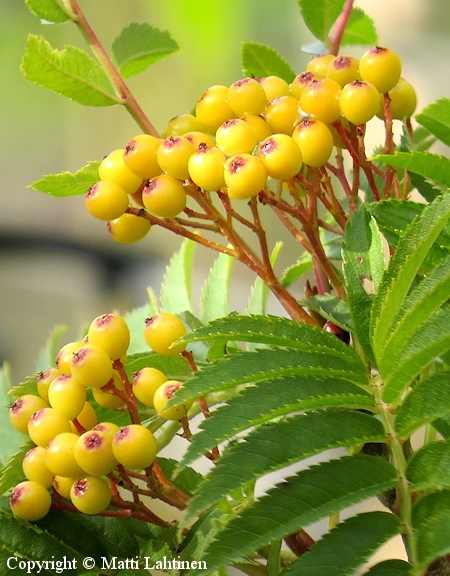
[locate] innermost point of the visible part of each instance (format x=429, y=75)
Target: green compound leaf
x=176, y=291
x=67, y=183
x=333, y=556
x=12, y=473
x=270, y=400
x=430, y=466
x=314, y=432
x=363, y=267
x=332, y=308
x=317, y=492
x=260, y=60
x=320, y=15
x=436, y=119
x=431, y=166
x=175, y=367
x=70, y=72
x=426, y=402
x=265, y=364
x=431, y=520
x=140, y=45
x=214, y=297
x=390, y=568
x=360, y=29
x=49, y=11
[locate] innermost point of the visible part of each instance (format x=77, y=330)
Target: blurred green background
x=57, y=264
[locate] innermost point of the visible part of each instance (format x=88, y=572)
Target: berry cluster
x=245, y=138
x=74, y=457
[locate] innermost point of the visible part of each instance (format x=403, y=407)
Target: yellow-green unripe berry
x=106, y=200
x=34, y=467
x=134, y=447
x=92, y=366
x=162, y=396
x=381, y=67
x=247, y=96
x=44, y=380
x=140, y=156
x=359, y=101
x=164, y=196
x=45, y=424
x=315, y=141
x=30, y=501
x=145, y=384
x=281, y=156
x=206, y=168
x=213, y=108
x=128, y=228
x=67, y=395
x=245, y=176
x=23, y=408
x=90, y=495
x=111, y=333
x=403, y=101
x=161, y=331
x=60, y=455
x=113, y=169
x=93, y=453
x=179, y=125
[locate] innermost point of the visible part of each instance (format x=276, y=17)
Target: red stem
x=339, y=28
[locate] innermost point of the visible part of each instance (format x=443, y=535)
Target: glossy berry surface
x=106, y=200
x=315, y=141
x=381, y=67
x=162, y=396
x=93, y=453
x=91, y=366
x=164, y=196
x=359, y=101
x=106, y=397
x=134, y=447
x=282, y=114
x=213, y=108
x=173, y=156
x=60, y=455
x=320, y=100
x=281, y=156
x=319, y=64
x=235, y=137
x=206, y=168
x=30, y=501
x=161, y=331
x=140, y=157
x=343, y=69
x=402, y=101
x=179, y=125
x=274, y=86
x=64, y=356
x=45, y=424
x=145, y=383
x=113, y=169
x=34, y=467
x=245, y=176
x=23, y=408
x=111, y=333
x=90, y=495
x=67, y=395
x=128, y=228
x=43, y=382
x=87, y=418
x=247, y=96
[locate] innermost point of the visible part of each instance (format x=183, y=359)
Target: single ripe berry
x=63, y=485
x=315, y=141
x=128, y=228
x=213, y=108
x=44, y=380
x=106, y=397
x=206, y=168
x=282, y=114
x=320, y=100
x=111, y=333
x=45, y=424
x=91, y=366
x=93, y=453
x=235, y=137
x=90, y=495
x=179, y=125
x=87, y=418
x=113, y=169
x=140, y=157
x=161, y=331
x=343, y=69
x=60, y=456
x=199, y=139
x=134, y=447
x=23, y=408
x=403, y=101
x=145, y=384
x=301, y=81
x=381, y=67
x=319, y=64
x=259, y=126
x=173, y=156
x=106, y=200
x=359, y=101
x=67, y=395
x=162, y=396
x=30, y=501
x=245, y=176
x=281, y=156
x=247, y=96
x=64, y=356
x=274, y=86
x=107, y=427
x=164, y=196
x=34, y=467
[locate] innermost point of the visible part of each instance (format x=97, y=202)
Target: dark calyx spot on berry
x=122, y=433
x=236, y=164
x=170, y=390
x=342, y=62
x=80, y=487
x=306, y=122
x=239, y=83
x=79, y=356
x=230, y=122
x=130, y=147
x=103, y=320
x=268, y=146
x=378, y=49
x=37, y=414
x=16, y=493
x=16, y=406
x=306, y=77
x=202, y=147
x=171, y=141
x=149, y=321
x=93, y=441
